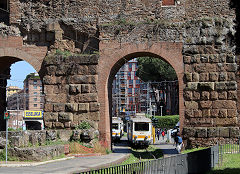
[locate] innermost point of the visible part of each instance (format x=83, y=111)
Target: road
x=120, y=152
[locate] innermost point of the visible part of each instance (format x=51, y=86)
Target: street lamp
x=161, y=109
x=154, y=109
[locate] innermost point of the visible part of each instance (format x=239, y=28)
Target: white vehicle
x=139, y=130
x=117, y=128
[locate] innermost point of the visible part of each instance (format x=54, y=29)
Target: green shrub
x=167, y=122
x=63, y=53
x=83, y=125
x=9, y=158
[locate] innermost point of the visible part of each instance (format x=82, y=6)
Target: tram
x=140, y=130
x=117, y=128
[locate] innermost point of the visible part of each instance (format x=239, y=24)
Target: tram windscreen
x=114, y=126
x=141, y=126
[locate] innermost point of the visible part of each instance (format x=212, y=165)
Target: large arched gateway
x=112, y=59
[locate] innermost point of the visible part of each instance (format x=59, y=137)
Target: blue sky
x=19, y=71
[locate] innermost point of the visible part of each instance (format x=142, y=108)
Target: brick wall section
x=12, y=46
x=11, y=41
x=71, y=94
x=15, y=13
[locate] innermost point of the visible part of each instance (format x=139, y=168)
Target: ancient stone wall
x=211, y=87
x=70, y=88
x=207, y=29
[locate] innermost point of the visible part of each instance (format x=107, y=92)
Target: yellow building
x=12, y=90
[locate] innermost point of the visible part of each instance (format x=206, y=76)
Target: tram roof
x=116, y=120
x=141, y=119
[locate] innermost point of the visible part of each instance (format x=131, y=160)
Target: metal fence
x=190, y=163
x=231, y=148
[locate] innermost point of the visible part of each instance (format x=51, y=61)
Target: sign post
x=6, y=117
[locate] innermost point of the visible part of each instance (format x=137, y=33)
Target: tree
x=156, y=70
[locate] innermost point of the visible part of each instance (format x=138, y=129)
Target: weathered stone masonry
x=207, y=65
x=70, y=88
x=211, y=83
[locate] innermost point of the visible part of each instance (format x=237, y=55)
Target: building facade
x=126, y=90
x=29, y=99
x=33, y=97
x=12, y=90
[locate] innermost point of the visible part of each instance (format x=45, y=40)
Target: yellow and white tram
x=117, y=128
x=139, y=130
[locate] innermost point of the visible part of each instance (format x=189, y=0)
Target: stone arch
x=12, y=50
x=112, y=56
x=9, y=56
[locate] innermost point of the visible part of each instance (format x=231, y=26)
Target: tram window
x=141, y=127
x=114, y=126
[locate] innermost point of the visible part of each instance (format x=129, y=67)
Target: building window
x=136, y=90
x=34, y=87
x=130, y=90
x=130, y=99
x=168, y=2
x=35, y=82
x=130, y=82
x=35, y=105
x=4, y=11
x=35, y=93
x=35, y=99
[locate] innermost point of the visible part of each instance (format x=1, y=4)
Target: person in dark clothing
x=158, y=134
x=175, y=138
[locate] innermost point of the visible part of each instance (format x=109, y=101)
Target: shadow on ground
x=169, y=151
x=225, y=171
x=148, y=155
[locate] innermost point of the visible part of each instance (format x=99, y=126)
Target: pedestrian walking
x=163, y=134
x=158, y=134
x=179, y=143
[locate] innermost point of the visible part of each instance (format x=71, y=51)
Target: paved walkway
x=64, y=166
x=168, y=149
x=77, y=164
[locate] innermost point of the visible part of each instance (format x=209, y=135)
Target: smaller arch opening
x=21, y=93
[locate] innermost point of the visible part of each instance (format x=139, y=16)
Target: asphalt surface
x=168, y=149
x=121, y=152
x=68, y=166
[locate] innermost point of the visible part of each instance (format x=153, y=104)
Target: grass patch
x=193, y=150
x=230, y=165
x=57, y=142
x=229, y=148
x=80, y=148
x=139, y=155
x=9, y=158
x=59, y=157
